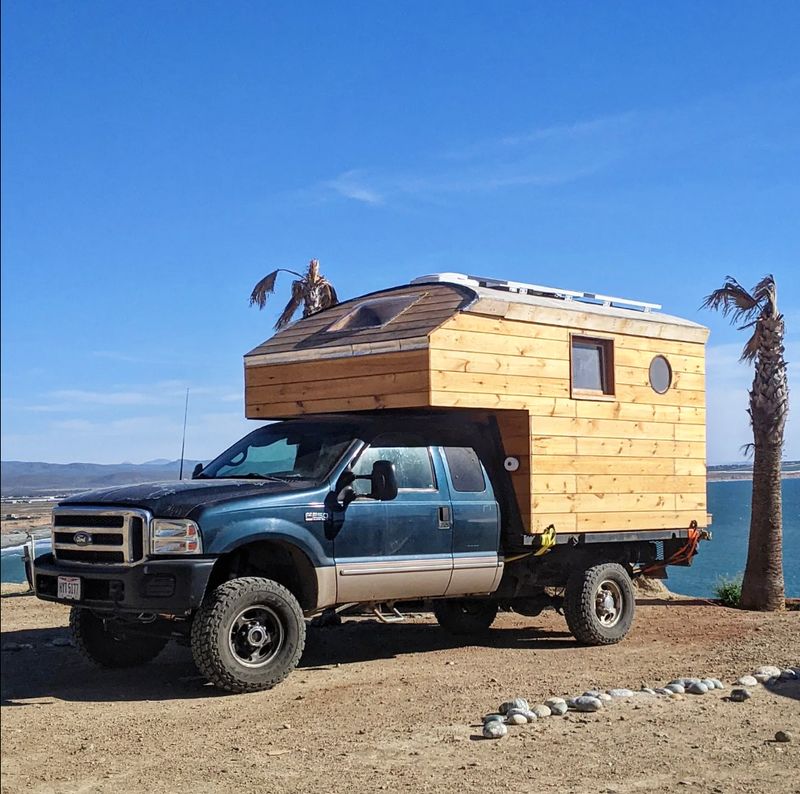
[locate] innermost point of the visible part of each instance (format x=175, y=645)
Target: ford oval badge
x=82, y=538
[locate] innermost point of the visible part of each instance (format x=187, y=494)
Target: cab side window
x=466, y=471
x=411, y=458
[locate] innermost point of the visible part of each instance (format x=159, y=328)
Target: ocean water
x=724, y=556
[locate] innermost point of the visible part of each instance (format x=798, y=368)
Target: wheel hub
x=256, y=636
x=608, y=603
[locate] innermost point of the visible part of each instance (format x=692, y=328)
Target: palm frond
x=751, y=346
x=732, y=298
x=293, y=305
x=766, y=292
x=330, y=298
x=266, y=287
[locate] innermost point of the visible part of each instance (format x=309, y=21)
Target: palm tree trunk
x=762, y=586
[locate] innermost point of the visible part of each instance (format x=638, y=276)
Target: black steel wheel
x=248, y=635
x=600, y=604
x=463, y=616
x=106, y=644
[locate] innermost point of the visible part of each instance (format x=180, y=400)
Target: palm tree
x=312, y=290
x=762, y=586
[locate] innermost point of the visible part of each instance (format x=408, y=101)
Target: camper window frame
x=606, y=343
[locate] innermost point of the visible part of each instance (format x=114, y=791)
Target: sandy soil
x=395, y=708
x=35, y=518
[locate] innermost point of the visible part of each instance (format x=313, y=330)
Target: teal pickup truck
x=320, y=513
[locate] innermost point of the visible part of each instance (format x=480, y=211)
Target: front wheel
x=106, y=644
x=248, y=635
x=599, y=604
x=462, y=616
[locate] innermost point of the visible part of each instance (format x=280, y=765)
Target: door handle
x=445, y=519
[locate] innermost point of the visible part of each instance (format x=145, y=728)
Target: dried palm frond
x=266, y=287
x=298, y=290
x=312, y=290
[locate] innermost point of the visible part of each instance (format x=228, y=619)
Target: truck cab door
x=477, y=567
x=399, y=549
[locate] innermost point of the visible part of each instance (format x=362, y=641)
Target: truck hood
x=181, y=498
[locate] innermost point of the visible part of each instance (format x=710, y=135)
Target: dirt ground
x=397, y=708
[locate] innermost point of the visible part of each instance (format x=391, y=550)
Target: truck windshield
x=284, y=451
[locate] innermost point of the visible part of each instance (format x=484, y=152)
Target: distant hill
x=20, y=478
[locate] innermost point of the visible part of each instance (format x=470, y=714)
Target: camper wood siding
x=362, y=383
x=631, y=460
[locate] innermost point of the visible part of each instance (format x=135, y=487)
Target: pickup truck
x=319, y=514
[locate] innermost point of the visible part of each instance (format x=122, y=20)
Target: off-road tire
x=580, y=606
x=213, y=622
x=108, y=648
x=464, y=616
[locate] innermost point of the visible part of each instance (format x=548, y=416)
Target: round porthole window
x=660, y=374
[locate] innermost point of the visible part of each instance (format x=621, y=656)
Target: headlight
x=175, y=536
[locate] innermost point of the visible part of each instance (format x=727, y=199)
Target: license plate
x=69, y=587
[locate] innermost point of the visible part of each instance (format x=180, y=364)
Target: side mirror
x=384, y=481
x=197, y=471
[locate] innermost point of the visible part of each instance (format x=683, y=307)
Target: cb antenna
x=183, y=440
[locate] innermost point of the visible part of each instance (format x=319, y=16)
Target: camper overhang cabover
x=600, y=401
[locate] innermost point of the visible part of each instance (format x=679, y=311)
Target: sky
x=160, y=158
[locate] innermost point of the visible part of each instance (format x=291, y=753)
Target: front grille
x=99, y=536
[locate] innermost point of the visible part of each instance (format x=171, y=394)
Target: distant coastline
x=790, y=469
x=713, y=476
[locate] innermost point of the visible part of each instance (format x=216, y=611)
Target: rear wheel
x=461, y=616
x=599, y=604
x=248, y=635
x=107, y=645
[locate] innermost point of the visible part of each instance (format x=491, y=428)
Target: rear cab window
x=466, y=472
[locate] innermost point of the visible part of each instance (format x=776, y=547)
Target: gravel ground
x=398, y=708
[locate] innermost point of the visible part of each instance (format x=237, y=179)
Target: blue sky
x=159, y=158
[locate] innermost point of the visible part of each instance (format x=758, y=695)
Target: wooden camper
x=602, y=401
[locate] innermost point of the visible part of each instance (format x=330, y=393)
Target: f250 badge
x=317, y=516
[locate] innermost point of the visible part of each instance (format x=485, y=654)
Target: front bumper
x=168, y=587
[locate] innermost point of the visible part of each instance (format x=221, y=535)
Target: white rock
x=558, y=708
x=746, y=680
x=698, y=688
x=516, y=717
x=531, y=715
x=718, y=684
x=494, y=730
x=677, y=689
x=542, y=711
x=587, y=703
x=664, y=691
x=516, y=703
x=620, y=693
x=708, y=683
x=550, y=702
x=769, y=670
x=647, y=691
x=762, y=678
x=492, y=717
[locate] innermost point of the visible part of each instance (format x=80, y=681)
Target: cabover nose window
x=592, y=362
x=411, y=458
x=373, y=313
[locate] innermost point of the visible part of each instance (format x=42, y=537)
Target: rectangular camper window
x=592, y=362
